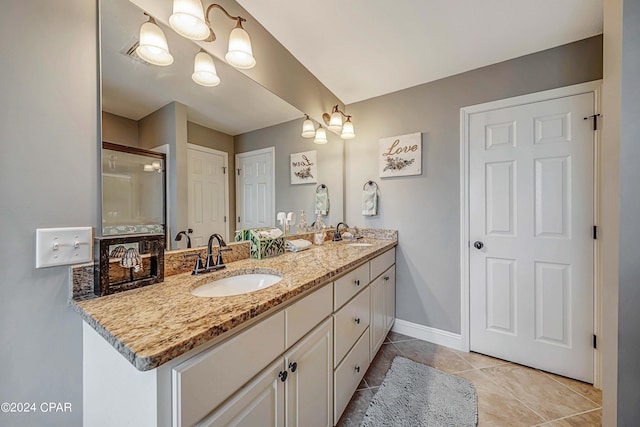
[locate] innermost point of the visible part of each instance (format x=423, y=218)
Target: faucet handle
x=198, y=266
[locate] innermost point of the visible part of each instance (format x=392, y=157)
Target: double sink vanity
x=180, y=353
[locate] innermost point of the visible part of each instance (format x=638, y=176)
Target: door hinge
x=595, y=120
x=238, y=172
x=238, y=219
x=595, y=341
x=224, y=170
x=225, y=218
x=595, y=232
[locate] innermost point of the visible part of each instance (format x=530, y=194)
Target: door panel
x=531, y=205
x=255, y=189
x=207, y=196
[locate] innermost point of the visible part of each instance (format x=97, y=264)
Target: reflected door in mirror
x=255, y=181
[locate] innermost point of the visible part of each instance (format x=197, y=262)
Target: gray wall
x=168, y=125
x=629, y=288
x=119, y=130
x=201, y=135
x=48, y=178
x=292, y=198
x=426, y=208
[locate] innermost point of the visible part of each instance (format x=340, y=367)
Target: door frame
x=465, y=280
x=272, y=151
x=225, y=160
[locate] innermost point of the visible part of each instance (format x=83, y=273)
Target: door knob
x=478, y=244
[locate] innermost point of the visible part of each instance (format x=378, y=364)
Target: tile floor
x=508, y=394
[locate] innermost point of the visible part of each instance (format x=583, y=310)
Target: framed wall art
x=400, y=155
x=304, y=168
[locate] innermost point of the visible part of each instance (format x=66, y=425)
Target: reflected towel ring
x=321, y=187
x=371, y=184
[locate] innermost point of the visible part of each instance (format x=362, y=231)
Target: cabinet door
x=310, y=380
x=389, y=278
x=259, y=403
x=378, y=326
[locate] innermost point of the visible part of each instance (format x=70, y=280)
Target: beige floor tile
x=381, y=364
x=478, y=360
x=395, y=337
x=589, y=419
x=496, y=406
x=538, y=391
x=587, y=390
x=433, y=355
x=357, y=407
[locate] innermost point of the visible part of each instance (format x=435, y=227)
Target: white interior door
x=255, y=199
x=531, y=220
x=207, y=194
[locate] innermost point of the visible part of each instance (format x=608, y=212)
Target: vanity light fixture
x=335, y=123
x=204, y=70
x=191, y=21
x=321, y=136
x=308, y=128
x=153, y=46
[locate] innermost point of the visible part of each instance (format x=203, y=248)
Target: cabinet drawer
x=203, y=382
x=350, y=322
x=383, y=261
x=349, y=374
x=302, y=316
x=349, y=285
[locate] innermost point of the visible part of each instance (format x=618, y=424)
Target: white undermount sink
x=236, y=285
x=360, y=245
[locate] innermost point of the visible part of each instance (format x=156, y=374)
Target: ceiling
x=358, y=49
x=134, y=89
x=361, y=49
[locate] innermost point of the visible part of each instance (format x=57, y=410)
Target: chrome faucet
x=218, y=263
x=336, y=236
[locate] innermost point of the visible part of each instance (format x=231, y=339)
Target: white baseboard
x=426, y=333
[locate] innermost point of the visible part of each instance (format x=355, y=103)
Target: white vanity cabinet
x=296, y=388
x=296, y=367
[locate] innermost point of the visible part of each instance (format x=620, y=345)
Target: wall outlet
x=62, y=246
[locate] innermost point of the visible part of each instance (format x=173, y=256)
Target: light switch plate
x=62, y=246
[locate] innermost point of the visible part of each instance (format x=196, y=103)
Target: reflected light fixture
x=189, y=20
x=308, y=128
x=334, y=122
x=204, y=70
x=320, y=136
x=153, y=46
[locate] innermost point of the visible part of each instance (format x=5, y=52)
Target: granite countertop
x=152, y=325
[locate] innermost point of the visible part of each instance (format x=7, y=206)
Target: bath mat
x=413, y=394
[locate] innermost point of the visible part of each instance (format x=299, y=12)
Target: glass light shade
x=204, y=70
x=308, y=129
x=155, y=165
x=335, y=123
x=240, y=53
x=153, y=46
x=188, y=19
x=347, y=130
x=148, y=168
x=321, y=136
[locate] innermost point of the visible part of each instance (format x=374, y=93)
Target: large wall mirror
x=202, y=130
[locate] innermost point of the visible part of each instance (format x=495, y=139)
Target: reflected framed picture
x=304, y=168
x=400, y=155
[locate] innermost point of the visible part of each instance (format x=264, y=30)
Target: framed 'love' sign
x=400, y=155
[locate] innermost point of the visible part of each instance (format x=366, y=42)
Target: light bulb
x=335, y=123
x=240, y=53
x=188, y=19
x=148, y=168
x=308, y=128
x=321, y=136
x=204, y=70
x=347, y=130
x=153, y=46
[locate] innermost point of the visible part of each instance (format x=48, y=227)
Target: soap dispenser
x=303, y=226
x=318, y=229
